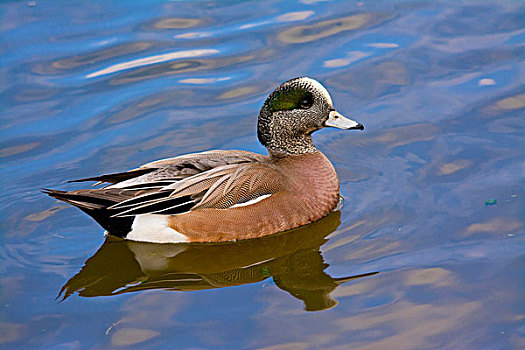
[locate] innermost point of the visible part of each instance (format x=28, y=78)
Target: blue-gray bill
x=337, y=120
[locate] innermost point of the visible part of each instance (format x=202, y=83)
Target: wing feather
x=213, y=179
x=182, y=203
x=250, y=182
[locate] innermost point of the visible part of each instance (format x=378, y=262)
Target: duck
x=228, y=195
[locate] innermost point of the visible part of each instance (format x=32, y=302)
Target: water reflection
x=183, y=66
x=293, y=259
x=323, y=29
x=89, y=59
x=177, y=23
x=146, y=61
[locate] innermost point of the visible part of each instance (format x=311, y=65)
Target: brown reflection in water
x=444, y=169
x=316, y=31
x=433, y=277
x=509, y=103
x=496, y=227
x=152, y=60
x=184, y=66
x=395, y=137
x=159, y=70
x=350, y=57
x=176, y=23
x=130, y=336
x=505, y=104
x=11, y=151
x=405, y=135
x=44, y=214
x=238, y=92
x=293, y=259
x=31, y=95
x=88, y=59
x=454, y=166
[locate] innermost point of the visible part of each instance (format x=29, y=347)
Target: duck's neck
x=282, y=136
x=288, y=145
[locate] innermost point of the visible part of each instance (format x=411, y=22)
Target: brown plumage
x=228, y=195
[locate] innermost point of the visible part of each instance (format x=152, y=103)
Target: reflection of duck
x=292, y=259
x=229, y=195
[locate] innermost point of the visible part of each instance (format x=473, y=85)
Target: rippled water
x=433, y=187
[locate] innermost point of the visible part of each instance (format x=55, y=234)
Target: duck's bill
x=337, y=120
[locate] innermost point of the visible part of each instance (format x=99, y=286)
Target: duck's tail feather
x=117, y=177
x=95, y=204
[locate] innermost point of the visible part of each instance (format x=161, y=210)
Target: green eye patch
x=290, y=99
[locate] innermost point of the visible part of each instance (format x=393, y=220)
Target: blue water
x=433, y=188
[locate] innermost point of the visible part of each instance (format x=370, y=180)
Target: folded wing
x=214, y=179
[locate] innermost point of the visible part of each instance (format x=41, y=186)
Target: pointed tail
x=95, y=204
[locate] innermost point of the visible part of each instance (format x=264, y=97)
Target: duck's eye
x=306, y=102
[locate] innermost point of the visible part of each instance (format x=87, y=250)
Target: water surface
x=433, y=187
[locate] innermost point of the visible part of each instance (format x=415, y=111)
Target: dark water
x=434, y=186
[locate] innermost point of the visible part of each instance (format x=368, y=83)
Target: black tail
x=117, y=177
x=95, y=204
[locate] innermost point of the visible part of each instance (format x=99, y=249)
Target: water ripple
x=146, y=61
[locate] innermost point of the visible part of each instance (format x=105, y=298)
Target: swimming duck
x=222, y=195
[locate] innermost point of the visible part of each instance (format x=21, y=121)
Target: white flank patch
x=154, y=228
x=250, y=202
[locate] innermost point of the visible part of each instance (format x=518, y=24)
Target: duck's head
x=292, y=112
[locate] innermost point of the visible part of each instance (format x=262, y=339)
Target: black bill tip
x=359, y=126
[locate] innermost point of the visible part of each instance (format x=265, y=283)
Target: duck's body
x=288, y=199
x=228, y=195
